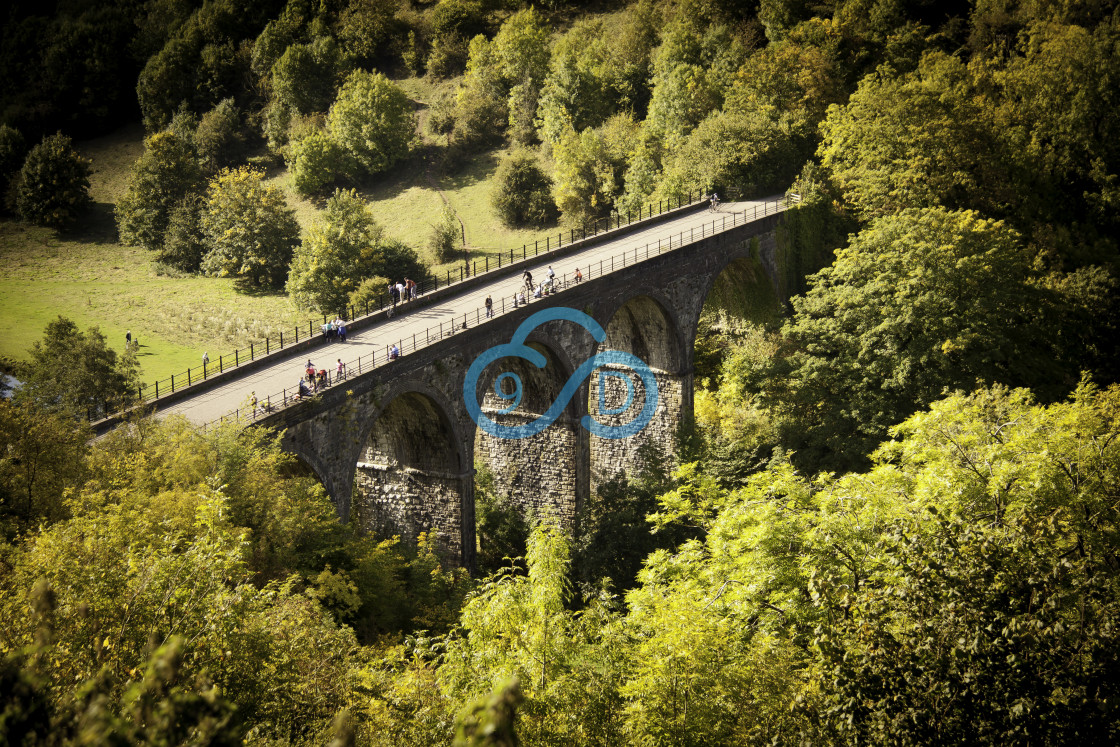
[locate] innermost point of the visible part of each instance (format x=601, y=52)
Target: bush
x=523, y=192
x=372, y=121
x=53, y=184
x=371, y=293
x=218, y=138
x=164, y=174
x=315, y=161
x=444, y=241
x=249, y=228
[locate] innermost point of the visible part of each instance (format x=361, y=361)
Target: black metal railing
x=151, y=391
x=460, y=322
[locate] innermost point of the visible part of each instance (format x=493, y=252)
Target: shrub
x=53, y=184
x=523, y=192
x=444, y=240
x=370, y=293
x=249, y=228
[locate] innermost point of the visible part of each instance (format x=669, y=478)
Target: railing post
x=157, y=390
x=236, y=359
x=188, y=377
x=221, y=368
x=172, y=383
x=281, y=339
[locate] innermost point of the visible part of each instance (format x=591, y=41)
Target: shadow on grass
x=98, y=225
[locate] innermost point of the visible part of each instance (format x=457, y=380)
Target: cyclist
x=714, y=202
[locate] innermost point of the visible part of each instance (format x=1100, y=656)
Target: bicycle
x=713, y=205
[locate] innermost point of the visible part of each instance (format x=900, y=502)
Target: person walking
x=489, y=307
x=340, y=372
x=528, y=277
x=205, y=361
x=579, y=275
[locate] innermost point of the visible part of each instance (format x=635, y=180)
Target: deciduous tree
x=53, y=187
x=372, y=121
x=250, y=230
x=164, y=175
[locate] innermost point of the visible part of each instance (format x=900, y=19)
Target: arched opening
x=410, y=477
x=736, y=333
x=618, y=394
x=740, y=297
x=540, y=473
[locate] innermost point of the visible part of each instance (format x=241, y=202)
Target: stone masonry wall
x=538, y=473
x=612, y=455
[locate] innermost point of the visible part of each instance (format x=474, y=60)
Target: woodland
x=894, y=517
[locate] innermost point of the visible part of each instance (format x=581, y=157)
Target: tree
x=590, y=168
x=169, y=78
x=12, y=153
x=53, y=188
x=218, y=139
x=315, y=161
x=372, y=121
x=916, y=140
x=184, y=244
x=76, y=373
x=164, y=175
x=737, y=155
x=916, y=303
x=367, y=27
x=523, y=192
x=41, y=455
x=306, y=76
x=249, y=228
x=691, y=72
x=339, y=252
x=995, y=592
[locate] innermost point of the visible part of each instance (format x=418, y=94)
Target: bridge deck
x=369, y=347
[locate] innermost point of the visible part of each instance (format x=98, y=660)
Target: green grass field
x=86, y=275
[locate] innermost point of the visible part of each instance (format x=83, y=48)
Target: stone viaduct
x=396, y=448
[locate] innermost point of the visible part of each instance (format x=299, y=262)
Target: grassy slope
x=86, y=275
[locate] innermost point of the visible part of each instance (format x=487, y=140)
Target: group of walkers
x=315, y=379
x=550, y=285
x=402, y=291
x=334, y=330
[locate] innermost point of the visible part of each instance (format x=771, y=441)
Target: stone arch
x=743, y=287
x=646, y=327
x=544, y=473
x=740, y=290
x=412, y=477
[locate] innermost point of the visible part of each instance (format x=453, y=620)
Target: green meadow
x=87, y=275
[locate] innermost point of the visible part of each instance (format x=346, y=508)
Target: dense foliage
x=343, y=249
x=893, y=519
x=53, y=185
x=249, y=229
